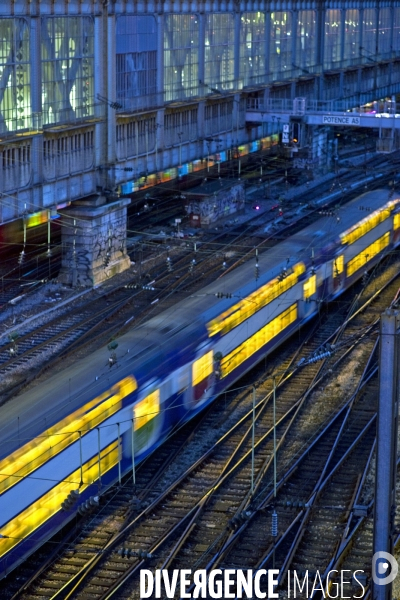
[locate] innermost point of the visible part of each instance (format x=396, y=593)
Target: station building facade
x=103, y=95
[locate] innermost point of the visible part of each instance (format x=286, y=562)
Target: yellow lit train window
x=146, y=409
x=244, y=309
x=362, y=227
x=254, y=343
x=368, y=254
x=310, y=287
x=35, y=453
x=50, y=503
x=202, y=368
x=338, y=265
x=396, y=221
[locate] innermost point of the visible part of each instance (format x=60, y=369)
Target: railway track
x=16, y=351
x=33, y=266
x=202, y=514
x=238, y=453
x=169, y=282
x=38, y=267
x=316, y=537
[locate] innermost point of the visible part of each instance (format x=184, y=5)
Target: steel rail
x=247, y=500
x=188, y=529
x=244, y=457
x=221, y=479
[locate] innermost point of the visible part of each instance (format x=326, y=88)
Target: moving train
x=63, y=441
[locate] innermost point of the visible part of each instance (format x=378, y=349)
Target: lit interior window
x=362, y=227
x=50, y=503
x=254, y=343
x=34, y=454
x=310, y=287
x=146, y=409
x=368, y=254
x=202, y=368
x=244, y=309
x=338, y=265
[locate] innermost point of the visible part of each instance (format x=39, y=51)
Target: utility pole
x=386, y=455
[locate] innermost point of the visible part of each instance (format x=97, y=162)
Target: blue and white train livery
x=81, y=429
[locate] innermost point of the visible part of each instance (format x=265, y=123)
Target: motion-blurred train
x=63, y=440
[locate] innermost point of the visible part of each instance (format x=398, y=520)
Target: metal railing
x=300, y=106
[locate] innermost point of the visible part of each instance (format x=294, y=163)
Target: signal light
x=107, y=259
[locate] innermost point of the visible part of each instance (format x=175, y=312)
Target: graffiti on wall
x=213, y=207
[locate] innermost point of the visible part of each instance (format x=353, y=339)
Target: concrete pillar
x=342, y=40
x=236, y=125
x=319, y=57
x=200, y=126
x=361, y=50
x=202, y=41
x=36, y=100
x=318, y=153
x=111, y=90
x=99, y=89
x=294, y=61
x=386, y=453
x=93, y=241
x=391, y=45
x=236, y=60
x=362, y=54
x=267, y=47
x=342, y=32
x=160, y=57
x=105, y=86
x=158, y=159
x=320, y=37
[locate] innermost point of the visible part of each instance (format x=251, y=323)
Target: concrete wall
x=148, y=86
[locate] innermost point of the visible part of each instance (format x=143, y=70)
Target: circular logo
x=384, y=568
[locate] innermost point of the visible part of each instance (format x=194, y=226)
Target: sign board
x=285, y=137
x=286, y=128
x=331, y=120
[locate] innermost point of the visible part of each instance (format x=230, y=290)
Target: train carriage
x=63, y=441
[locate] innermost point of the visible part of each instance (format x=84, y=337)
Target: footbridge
x=380, y=115
x=294, y=117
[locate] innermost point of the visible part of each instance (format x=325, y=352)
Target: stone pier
x=93, y=241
